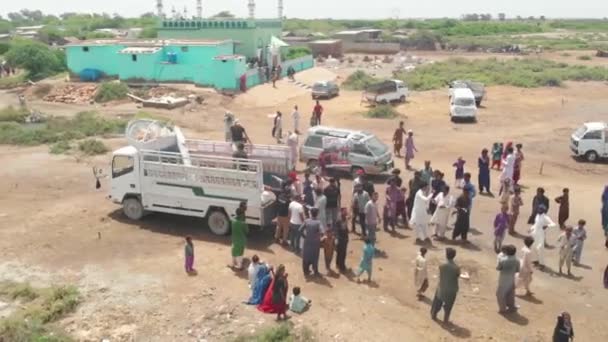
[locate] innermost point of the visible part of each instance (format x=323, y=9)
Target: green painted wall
x=196, y=64
x=100, y=57
x=250, y=34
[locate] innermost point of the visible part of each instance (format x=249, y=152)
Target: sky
x=338, y=9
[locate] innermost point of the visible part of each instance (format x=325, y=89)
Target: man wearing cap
x=238, y=133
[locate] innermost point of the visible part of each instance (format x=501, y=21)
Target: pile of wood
x=72, y=94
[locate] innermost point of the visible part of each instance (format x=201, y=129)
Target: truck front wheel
x=591, y=156
x=133, y=209
x=218, y=222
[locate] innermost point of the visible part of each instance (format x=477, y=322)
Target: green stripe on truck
x=198, y=191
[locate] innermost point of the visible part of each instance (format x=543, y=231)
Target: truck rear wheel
x=402, y=99
x=133, y=209
x=218, y=222
x=591, y=156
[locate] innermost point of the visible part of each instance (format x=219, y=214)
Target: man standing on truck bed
x=238, y=133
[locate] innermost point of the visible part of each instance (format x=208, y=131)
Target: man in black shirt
x=332, y=193
x=282, y=233
x=238, y=133
x=367, y=185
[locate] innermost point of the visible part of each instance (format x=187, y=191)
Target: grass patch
x=584, y=58
x=279, y=333
x=297, y=52
x=92, y=147
x=60, y=147
x=111, y=91
x=12, y=81
x=83, y=125
x=12, y=114
x=359, y=80
x=524, y=73
x=382, y=112
x=38, y=309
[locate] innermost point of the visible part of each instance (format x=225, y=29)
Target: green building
x=252, y=37
x=202, y=62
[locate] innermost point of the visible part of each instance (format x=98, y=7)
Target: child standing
x=505, y=192
x=298, y=303
x=566, y=242
x=501, y=224
x=421, y=275
x=189, y=255
x=496, y=155
x=366, y=260
x=516, y=203
x=580, y=234
x=459, y=172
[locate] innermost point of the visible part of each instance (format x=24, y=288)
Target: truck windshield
x=376, y=146
x=464, y=102
x=580, y=132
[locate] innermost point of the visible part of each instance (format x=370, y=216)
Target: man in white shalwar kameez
x=524, y=277
x=295, y=115
x=421, y=279
x=508, y=168
x=542, y=222
x=292, y=142
x=420, y=217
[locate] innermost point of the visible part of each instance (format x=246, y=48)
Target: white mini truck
x=161, y=171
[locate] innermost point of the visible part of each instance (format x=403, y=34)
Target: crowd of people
x=311, y=217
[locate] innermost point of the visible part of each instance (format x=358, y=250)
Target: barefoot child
x=496, y=155
x=421, y=275
x=298, y=303
x=189, y=255
x=501, y=224
x=366, y=260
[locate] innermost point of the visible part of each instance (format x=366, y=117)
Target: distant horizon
x=334, y=9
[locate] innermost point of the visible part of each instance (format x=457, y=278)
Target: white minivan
x=462, y=105
x=590, y=141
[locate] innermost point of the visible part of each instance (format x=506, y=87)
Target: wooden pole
x=542, y=165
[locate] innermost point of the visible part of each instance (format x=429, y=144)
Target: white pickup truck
x=590, y=141
x=386, y=92
x=161, y=171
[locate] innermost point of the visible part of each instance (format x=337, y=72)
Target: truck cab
x=590, y=141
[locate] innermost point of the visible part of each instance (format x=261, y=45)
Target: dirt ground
x=56, y=228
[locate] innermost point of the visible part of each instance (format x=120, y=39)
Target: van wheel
x=383, y=102
x=591, y=156
x=355, y=171
x=133, y=209
x=402, y=99
x=218, y=222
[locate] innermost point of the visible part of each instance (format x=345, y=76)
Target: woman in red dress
x=275, y=299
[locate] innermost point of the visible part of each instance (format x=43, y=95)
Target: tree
x=35, y=57
x=471, y=17
x=502, y=16
x=542, y=17
x=485, y=17
x=223, y=14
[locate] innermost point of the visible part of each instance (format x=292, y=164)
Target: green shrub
x=382, y=112
x=584, y=58
x=359, y=80
x=21, y=291
x=111, y=91
x=60, y=147
x=524, y=73
x=12, y=81
x=92, y=147
x=12, y=114
x=279, y=333
x=297, y=52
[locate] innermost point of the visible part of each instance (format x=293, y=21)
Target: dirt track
x=51, y=218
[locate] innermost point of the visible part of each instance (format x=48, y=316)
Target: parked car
x=590, y=141
x=353, y=151
x=477, y=88
x=386, y=92
x=325, y=89
x=462, y=105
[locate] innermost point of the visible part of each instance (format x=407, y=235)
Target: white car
x=590, y=141
x=462, y=105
